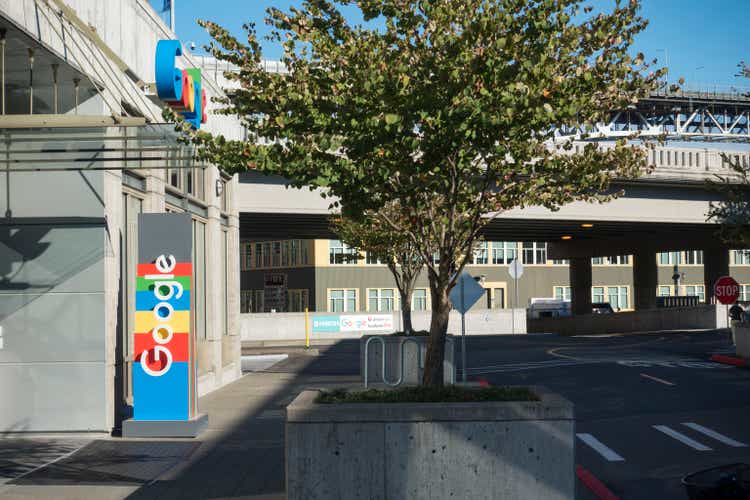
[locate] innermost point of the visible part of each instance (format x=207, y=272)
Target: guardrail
x=401, y=370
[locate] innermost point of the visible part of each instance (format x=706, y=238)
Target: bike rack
x=401, y=371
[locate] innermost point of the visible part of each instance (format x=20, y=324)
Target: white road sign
x=515, y=269
x=472, y=291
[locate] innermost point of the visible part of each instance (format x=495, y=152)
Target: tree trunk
x=406, y=313
x=441, y=307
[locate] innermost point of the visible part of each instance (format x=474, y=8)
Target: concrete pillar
x=715, y=265
x=645, y=280
x=580, y=285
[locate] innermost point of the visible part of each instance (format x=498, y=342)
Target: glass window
x=560, y=262
x=259, y=255
x=285, y=254
x=498, y=298
x=617, y=296
x=303, y=253
x=246, y=301
x=480, y=253
x=597, y=261
x=380, y=299
x=258, y=305
x=419, y=300
x=744, y=293
x=294, y=252
x=665, y=291
x=224, y=283
x=372, y=259
x=741, y=257
x=267, y=254
x=696, y=291
x=340, y=253
x=694, y=257
x=670, y=258
x=504, y=252
x=276, y=254
x=534, y=252
x=199, y=278
x=343, y=300
x=562, y=293
x=597, y=294
x=298, y=300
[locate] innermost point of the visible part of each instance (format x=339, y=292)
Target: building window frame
x=349, y=301
x=382, y=300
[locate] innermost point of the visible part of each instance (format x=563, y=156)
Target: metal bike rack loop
x=401, y=371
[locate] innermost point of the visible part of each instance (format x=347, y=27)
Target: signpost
x=726, y=290
x=515, y=269
x=466, y=292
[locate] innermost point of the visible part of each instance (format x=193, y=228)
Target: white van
x=548, y=308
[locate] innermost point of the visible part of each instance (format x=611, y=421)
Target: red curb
x=728, y=360
x=593, y=483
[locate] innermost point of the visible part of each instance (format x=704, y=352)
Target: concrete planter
x=430, y=450
x=741, y=332
x=412, y=369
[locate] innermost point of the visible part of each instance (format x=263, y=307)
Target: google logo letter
x=181, y=89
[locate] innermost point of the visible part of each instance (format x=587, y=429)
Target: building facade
x=86, y=151
x=328, y=276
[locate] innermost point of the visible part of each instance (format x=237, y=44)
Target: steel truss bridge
x=680, y=115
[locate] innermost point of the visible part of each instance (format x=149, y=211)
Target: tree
x=373, y=234
x=447, y=107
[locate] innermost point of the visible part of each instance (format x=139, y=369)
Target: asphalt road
x=649, y=408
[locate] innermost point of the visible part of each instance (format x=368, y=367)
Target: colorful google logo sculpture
x=181, y=89
x=164, y=372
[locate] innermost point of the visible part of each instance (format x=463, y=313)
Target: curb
x=592, y=483
x=729, y=360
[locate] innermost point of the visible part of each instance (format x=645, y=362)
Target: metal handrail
x=401, y=371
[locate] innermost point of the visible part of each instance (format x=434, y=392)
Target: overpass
x=665, y=210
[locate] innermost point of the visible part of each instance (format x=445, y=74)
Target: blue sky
x=703, y=40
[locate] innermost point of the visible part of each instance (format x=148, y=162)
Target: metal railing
x=400, y=379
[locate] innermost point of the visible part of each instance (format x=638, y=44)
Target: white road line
x=682, y=438
x=715, y=435
x=656, y=379
x=605, y=451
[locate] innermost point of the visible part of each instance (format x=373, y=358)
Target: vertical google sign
x=164, y=371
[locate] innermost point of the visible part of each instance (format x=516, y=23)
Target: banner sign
x=181, y=89
x=164, y=370
x=353, y=323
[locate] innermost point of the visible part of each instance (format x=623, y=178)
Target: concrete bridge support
x=580, y=285
x=645, y=279
x=715, y=265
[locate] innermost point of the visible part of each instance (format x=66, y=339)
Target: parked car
x=602, y=308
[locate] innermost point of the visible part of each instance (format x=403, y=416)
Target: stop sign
x=726, y=290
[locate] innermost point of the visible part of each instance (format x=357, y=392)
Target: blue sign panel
x=326, y=324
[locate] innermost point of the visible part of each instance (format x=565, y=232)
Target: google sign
x=163, y=370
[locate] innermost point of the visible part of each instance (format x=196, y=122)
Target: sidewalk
x=241, y=455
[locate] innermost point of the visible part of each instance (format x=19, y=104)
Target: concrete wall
x=650, y=320
x=291, y=326
x=430, y=450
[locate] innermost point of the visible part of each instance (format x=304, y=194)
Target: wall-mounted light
x=566, y=237
x=219, y=187
x=587, y=225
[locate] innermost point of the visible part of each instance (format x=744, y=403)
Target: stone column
x=580, y=285
x=645, y=280
x=715, y=265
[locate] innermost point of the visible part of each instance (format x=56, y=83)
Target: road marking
x=715, y=435
x=605, y=451
x=681, y=438
x=656, y=379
